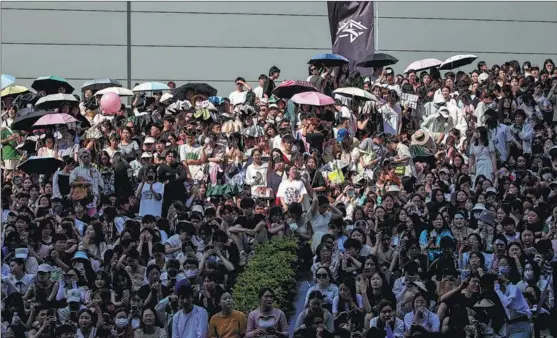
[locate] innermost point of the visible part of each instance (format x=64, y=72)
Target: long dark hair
x=483, y=137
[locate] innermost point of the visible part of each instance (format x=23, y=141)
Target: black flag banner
x=352, y=30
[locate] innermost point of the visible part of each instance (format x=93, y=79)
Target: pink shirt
x=275, y=319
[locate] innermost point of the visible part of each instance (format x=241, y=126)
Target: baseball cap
x=74, y=296
x=389, y=71
x=341, y=134
x=273, y=105
x=149, y=140
x=44, y=268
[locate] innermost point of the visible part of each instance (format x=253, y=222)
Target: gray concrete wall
x=218, y=41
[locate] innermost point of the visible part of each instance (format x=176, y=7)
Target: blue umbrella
x=7, y=80
x=329, y=60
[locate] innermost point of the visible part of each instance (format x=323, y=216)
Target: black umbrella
x=378, y=60
x=21, y=101
x=98, y=84
x=25, y=118
x=457, y=61
x=197, y=88
x=41, y=165
x=51, y=84
x=287, y=89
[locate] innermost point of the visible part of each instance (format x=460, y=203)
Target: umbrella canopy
x=423, y=64
x=54, y=101
x=51, y=84
x=287, y=89
x=98, y=84
x=54, y=119
x=150, y=87
x=254, y=131
x=313, y=99
x=6, y=80
x=329, y=60
x=457, y=61
x=116, y=90
x=377, y=60
x=41, y=165
x=197, y=88
x=356, y=92
x=26, y=118
x=13, y=90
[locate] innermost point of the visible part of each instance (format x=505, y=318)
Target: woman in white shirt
x=421, y=319
x=49, y=149
x=256, y=174
x=387, y=320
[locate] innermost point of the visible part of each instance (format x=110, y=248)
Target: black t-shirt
x=250, y=223
x=461, y=299
x=146, y=289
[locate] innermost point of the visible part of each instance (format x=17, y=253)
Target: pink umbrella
x=54, y=119
x=423, y=64
x=313, y=99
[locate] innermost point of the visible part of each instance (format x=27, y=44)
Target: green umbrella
x=51, y=84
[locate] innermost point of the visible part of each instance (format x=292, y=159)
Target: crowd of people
x=429, y=218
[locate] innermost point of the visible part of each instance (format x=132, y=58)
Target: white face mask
x=191, y=273
x=121, y=322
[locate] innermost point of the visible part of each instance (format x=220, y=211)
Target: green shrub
x=273, y=266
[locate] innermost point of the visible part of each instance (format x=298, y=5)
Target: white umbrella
x=116, y=90
x=423, y=64
x=150, y=87
x=457, y=61
x=356, y=92
x=53, y=101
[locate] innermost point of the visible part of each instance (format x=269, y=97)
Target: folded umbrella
x=98, y=84
x=13, y=90
x=41, y=165
x=116, y=90
x=254, y=131
x=356, y=92
x=328, y=60
x=377, y=60
x=26, y=118
x=150, y=87
x=51, y=84
x=287, y=89
x=196, y=88
x=54, y=101
x=457, y=61
x=313, y=99
x=54, y=119
x=6, y=80
x=423, y=64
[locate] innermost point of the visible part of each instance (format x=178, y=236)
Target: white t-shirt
x=291, y=191
x=149, y=204
x=258, y=92
x=188, y=152
x=237, y=97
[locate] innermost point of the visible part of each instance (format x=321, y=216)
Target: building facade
x=215, y=42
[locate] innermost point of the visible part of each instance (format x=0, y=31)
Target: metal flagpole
x=376, y=4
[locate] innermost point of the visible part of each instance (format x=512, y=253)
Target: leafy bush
x=273, y=266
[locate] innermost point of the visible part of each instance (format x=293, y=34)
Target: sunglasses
x=322, y=275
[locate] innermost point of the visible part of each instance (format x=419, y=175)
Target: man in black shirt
x=269, y=85
x=247, y=228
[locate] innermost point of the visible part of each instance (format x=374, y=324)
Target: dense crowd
x=429, y=218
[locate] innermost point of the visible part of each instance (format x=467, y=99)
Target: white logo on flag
x=352, y=29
